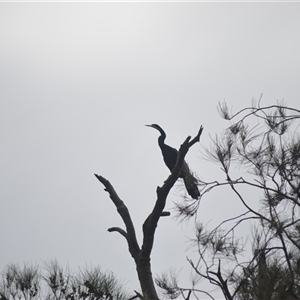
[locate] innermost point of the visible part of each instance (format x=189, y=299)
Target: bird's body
x=170, y=158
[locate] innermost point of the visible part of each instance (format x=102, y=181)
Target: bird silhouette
x=170, y=158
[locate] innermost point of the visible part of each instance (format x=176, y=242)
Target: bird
x=170, y=158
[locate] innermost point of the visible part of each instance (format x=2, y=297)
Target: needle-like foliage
x=259, y=154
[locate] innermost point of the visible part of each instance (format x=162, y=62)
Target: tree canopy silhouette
x=264, y=143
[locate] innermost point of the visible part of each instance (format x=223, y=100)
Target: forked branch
x=123, y=211
x=150, y=223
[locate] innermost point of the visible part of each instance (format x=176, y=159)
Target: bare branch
x=150, y=223
x=124, y=213
x=120, y=230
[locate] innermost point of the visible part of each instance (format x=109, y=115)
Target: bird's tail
x=190, y=182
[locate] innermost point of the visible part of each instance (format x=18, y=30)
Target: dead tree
x=141, y=255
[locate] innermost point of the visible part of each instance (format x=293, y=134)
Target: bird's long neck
x=161, y=139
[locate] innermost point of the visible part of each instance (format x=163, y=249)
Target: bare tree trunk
x=143, y=268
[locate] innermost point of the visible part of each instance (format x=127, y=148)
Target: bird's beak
x=148, y=125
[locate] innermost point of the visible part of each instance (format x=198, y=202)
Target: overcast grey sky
x=78, y=83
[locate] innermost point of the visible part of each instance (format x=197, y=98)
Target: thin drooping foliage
x=264, y=263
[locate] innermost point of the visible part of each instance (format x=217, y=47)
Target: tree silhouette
x=57, y=283
x=141, y=255
x=263, y=141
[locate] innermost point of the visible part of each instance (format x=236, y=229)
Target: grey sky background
x=78, y=83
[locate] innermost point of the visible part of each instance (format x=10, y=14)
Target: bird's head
x=154, y=126
x=157, y=127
